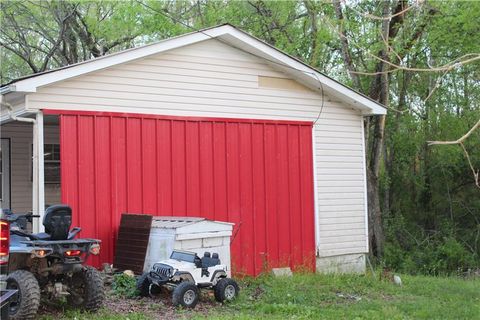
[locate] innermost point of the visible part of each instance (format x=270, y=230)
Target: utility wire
x=175, y=20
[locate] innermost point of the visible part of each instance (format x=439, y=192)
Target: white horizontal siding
x=351, y=248
x=340, y=186
x=339, y=219
x=211, y=79
x=346, y=239
x=20, y=135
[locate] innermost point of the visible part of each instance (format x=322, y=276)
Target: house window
x=51, y=163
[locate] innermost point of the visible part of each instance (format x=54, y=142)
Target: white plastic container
x=189, y=234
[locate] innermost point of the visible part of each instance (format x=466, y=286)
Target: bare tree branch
x=476, y=173
x=374, y=17
x=446, y=67
x=458, y=141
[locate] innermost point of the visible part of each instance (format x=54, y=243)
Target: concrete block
x=348, y=263
x=281, y=272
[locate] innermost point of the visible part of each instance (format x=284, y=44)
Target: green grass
x=313, y=296
x=354, y=297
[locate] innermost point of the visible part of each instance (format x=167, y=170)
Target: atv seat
x=210, y=261
x=57, y=222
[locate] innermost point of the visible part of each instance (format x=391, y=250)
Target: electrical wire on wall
x=165, y=14
x=323, y=101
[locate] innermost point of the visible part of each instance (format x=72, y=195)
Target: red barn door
x=257, y=174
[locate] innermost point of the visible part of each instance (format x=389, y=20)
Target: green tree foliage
x=429, y=202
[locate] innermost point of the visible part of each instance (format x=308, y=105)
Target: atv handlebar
x=12, y=217
x=20, y=220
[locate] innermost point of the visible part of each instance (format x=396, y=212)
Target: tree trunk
x=377, y=237
x=347, y=58
x=379, y=91
x=375, y=223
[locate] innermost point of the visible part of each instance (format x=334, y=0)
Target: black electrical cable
x=165, y=14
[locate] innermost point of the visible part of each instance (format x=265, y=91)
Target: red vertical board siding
x=246, y=196
x=259, y=201
x=271, y=184
x=179, y=186
x=134, y=166
x=86, y=178
x=192, y=163
x=69, y=167
x=306, y=201
x=102, y=179
x=207, y=199
x=164, y=167
x=149, y=166
x=86, y=175
x=220, y=172
x=283, y=195
x=233, y=195
x=256, y=174
x=294, y=196
x=118, y=169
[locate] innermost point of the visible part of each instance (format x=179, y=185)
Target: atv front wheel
x=185, y=294
x=86, y=290
x=25, y=303
x=226, y=289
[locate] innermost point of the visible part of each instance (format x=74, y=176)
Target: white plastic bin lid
x=174, y=222
x=191, y=224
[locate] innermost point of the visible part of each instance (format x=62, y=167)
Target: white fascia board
x=31, y=84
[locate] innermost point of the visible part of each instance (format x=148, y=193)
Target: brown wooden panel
x=132, y=242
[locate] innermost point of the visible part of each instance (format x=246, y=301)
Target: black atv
x=50, y=265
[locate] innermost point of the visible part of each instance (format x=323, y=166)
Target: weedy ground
x=310, y=296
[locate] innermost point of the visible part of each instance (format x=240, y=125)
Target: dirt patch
x=156, y=307
x=257, y=293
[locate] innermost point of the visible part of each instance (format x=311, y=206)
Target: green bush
x=124, y=285
x=452, y=256
x=431, y=256
x=409, y=249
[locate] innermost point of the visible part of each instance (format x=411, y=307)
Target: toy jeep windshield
x=184, y=256
x=185, y=273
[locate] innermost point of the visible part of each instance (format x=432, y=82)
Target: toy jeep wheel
x=185, y=294
x=25, y=303
x=143, y=285
x=226, y=290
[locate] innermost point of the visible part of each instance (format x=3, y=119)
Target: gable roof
x=227, y=34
